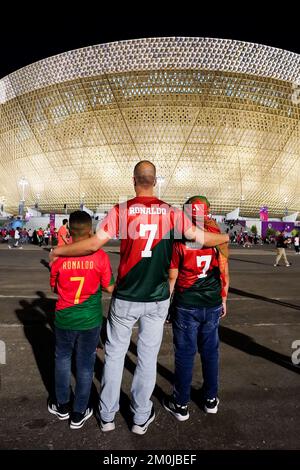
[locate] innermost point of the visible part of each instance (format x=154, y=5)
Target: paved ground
x=259, y=386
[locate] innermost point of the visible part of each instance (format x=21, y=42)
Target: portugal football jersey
x=78, y=282
x=198, y=282
x=147, y=227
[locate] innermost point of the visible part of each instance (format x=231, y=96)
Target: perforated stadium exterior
x=215, y=116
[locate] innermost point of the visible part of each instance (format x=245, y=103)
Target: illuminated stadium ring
x=217, y=117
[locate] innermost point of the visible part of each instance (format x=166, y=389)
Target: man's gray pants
x=122, y=317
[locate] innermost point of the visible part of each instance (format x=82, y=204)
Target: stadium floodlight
x=23, y=183
x=160, y=181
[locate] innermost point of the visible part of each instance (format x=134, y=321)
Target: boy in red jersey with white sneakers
x=78, y=317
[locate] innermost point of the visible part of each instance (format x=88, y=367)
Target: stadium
x=199, y=342
x=219, y=117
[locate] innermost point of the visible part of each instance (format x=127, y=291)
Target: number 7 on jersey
x=152, y=228
x=81, y=281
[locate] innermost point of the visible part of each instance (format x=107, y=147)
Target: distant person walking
x=281, y=244
x=47, y=235
x=296, y=244
x=40, y=236
x=17, y=237
x=63, y=234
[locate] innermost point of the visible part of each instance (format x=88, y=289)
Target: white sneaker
x=142, y=428
x=106, y=426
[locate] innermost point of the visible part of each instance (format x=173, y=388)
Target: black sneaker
x=181, y=412
x=78, y=419
x=142, y=428
x=61, y=411
x=211, y=405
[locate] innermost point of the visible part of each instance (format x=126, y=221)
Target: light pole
x=286, y=212
x=160, y=181
x=242, y=200
x=82, y=201
x=37, y=198
x=2, y=200
x=23, y=183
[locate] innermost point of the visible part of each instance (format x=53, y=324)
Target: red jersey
x=78, y=282
x=198, y=282
x=62, y=232
x=147, y=227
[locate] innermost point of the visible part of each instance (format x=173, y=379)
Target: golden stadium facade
x=217, y=117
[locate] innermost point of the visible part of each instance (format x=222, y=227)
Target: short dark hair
x=65, y=221
x=145, y=173
x=80, y=222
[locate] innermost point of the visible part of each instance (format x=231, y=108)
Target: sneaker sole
x=60, y=416
x=107, y=427
x=81, y=423
x=212, y=410
x=136, y=429
x=177, y=416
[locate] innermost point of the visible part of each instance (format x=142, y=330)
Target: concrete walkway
x=259, y=385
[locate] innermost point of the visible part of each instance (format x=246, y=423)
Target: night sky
x=28, y=35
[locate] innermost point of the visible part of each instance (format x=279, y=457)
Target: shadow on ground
x=37, y=320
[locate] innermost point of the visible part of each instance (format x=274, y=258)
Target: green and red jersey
x=147, y=228
x=78, y=282
x=198, y=282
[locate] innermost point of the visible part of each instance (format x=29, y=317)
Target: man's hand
x=52, y=257
x=224, y=308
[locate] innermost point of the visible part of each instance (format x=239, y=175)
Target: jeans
x=196, y=328
x=84, y=343
x=122, y=316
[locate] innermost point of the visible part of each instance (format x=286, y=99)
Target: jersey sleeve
x=107, y=278
x=175, y=261
x=110, y=224
x=54, y=272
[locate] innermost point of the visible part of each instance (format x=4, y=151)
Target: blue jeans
x=84, y=343
x=196, y=329
x=123, y=315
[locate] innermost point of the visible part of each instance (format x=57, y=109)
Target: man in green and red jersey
x=78, y=318
x=201, y=280
x=147, y=228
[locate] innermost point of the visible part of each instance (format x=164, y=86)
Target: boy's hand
x=224, y=308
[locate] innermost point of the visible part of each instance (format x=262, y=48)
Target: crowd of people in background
x=16, y=238
x=20, y=236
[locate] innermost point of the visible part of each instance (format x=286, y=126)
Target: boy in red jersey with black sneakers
x=78, y=318
x=201, y=279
